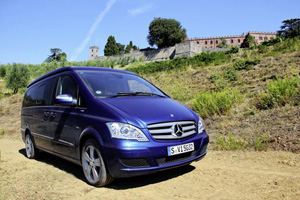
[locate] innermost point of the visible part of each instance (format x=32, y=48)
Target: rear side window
x=44, y=92
x=40, y=94
x=29, y=99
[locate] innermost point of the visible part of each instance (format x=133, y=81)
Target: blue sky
x=29, y=28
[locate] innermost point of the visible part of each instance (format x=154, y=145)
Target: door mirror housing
x=65, y=99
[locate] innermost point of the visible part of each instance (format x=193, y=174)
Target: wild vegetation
x=249, y=98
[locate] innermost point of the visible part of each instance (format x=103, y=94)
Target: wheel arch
x=86, y=134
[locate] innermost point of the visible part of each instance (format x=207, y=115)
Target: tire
x=31, y=151
x=93, y=166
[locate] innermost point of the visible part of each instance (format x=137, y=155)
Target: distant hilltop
x=189, y=48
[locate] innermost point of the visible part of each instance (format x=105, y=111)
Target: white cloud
x=139, y=10
x=98, y=20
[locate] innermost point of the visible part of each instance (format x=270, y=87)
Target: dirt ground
x=220, y=175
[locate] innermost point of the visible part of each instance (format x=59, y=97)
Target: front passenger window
x=66, y=86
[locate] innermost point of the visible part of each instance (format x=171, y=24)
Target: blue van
x=111, y=122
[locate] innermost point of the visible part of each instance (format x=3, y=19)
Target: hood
x=141, y=110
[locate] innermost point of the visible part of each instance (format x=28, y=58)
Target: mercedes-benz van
x=111, y=122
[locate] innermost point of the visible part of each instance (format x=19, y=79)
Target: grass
x=279, y=93
x=220, y=102
x=177, y=64
x=257, y=142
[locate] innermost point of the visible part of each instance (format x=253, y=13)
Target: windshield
x=113, y=84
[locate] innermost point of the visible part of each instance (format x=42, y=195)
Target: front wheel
x=93, y=166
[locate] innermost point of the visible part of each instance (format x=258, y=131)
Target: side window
x=29, y=99
x=135, y=86
x=44, y=92
x=66, y=86
x=39, y=95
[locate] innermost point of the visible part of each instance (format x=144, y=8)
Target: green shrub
x=272, y=41
x=263, y=49
x=17, y=77
x=221, y=79
x=230, y=74
x=287, y=46
x=233, y=50
x=279, y=92
x=245, y=64
x=209, y=103
x=203, y=59
x=2, y=71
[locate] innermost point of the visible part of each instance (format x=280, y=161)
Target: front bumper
x=126, y=158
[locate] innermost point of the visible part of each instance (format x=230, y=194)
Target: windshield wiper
x=120, y=94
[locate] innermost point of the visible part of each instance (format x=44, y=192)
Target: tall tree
x=121, y=48
x=57, y=55
x=17, y=77
x=249, y=41
x=130, y=46
x=111, y=47
x=290, y=28
x=165, y=32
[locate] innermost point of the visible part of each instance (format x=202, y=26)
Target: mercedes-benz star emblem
x=177, y=130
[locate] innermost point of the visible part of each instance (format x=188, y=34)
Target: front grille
x=172, y=130
x=176, y=158
x=135, y=162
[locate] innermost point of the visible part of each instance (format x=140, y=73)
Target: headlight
x=125, y=131
x=200, y=125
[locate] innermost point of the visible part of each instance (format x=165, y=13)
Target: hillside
x=249, y=98
x=277, y=128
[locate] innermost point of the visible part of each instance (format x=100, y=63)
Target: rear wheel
x=31, y=151
x=93, y=165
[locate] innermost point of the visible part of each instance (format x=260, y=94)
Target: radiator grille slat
x=167, y=130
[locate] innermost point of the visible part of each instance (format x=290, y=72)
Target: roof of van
x=63, y=69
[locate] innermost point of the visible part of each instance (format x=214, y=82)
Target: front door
x=62, y=120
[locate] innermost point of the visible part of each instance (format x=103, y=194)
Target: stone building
x=213, y=42
x=187, y=49
x=94, y=52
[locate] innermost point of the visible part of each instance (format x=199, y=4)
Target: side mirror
x=65, y=99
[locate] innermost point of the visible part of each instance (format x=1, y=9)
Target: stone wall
x=186, y=49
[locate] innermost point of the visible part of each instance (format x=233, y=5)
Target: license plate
x=179, y=149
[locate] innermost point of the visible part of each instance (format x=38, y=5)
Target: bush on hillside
x=17, y=77
x=245, y=64
x=2, y=71
x=203, y=59
x=230, y=74
x=210, y=103
x=289, y=45
x=263, y=49
x=272, y=41
x=280, y=92
x=233, y=50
